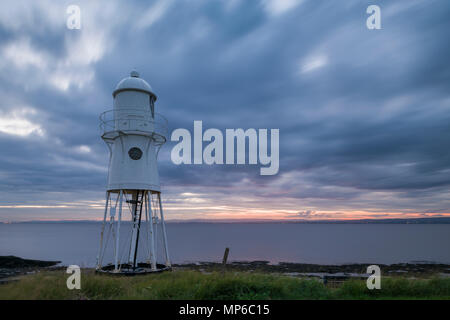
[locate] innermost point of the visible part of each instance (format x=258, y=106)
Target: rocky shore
x=419, y=269
x=11, y=266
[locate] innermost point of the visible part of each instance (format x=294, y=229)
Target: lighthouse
x=133, y=236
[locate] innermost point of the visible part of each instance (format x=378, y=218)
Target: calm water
x=77, y=243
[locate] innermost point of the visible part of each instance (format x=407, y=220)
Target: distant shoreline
x=436, y=220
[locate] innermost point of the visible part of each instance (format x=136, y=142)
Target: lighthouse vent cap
x=134, y=83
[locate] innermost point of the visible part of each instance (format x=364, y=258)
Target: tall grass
x=196, y=285
x=397, y=288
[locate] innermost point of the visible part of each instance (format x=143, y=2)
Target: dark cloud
x=363, y=114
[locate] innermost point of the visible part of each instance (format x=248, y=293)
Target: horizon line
x=365, y=220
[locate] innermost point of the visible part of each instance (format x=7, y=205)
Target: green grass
x=195, y=285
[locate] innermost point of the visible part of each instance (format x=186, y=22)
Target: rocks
x=9, y=262
x=303, y=268
x=11, y=266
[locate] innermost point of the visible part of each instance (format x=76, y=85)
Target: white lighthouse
x=133, y=235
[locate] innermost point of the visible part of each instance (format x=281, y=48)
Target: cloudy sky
x=364, y=115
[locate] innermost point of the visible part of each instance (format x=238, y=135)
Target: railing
x=133, y=120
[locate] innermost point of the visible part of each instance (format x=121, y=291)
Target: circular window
x=135, y=153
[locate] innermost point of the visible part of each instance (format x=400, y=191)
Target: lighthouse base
x=129, y=270
x=127, y=239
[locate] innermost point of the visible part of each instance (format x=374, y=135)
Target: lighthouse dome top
x=134, y=83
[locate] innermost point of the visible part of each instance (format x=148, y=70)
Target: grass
x=234, y=286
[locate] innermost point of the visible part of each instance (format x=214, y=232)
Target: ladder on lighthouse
x=137, y=203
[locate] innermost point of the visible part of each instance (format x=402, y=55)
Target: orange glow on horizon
x=209, y=210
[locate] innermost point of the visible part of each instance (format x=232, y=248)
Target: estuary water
x=78, y=242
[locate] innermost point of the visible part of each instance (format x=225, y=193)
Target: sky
x=363, y=115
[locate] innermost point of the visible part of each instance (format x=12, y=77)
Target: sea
x=78, y=242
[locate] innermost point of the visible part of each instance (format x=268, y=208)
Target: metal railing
x=132, y=120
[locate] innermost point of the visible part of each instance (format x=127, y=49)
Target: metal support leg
x=116, y=261
x=155, y=225
x=152, y=235
x=163, y=225
x=103, y=230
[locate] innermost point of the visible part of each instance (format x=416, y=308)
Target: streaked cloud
x=153, y=14
x=277, y=7
x=22, y=55
x=312, y=63
x=16, y=123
